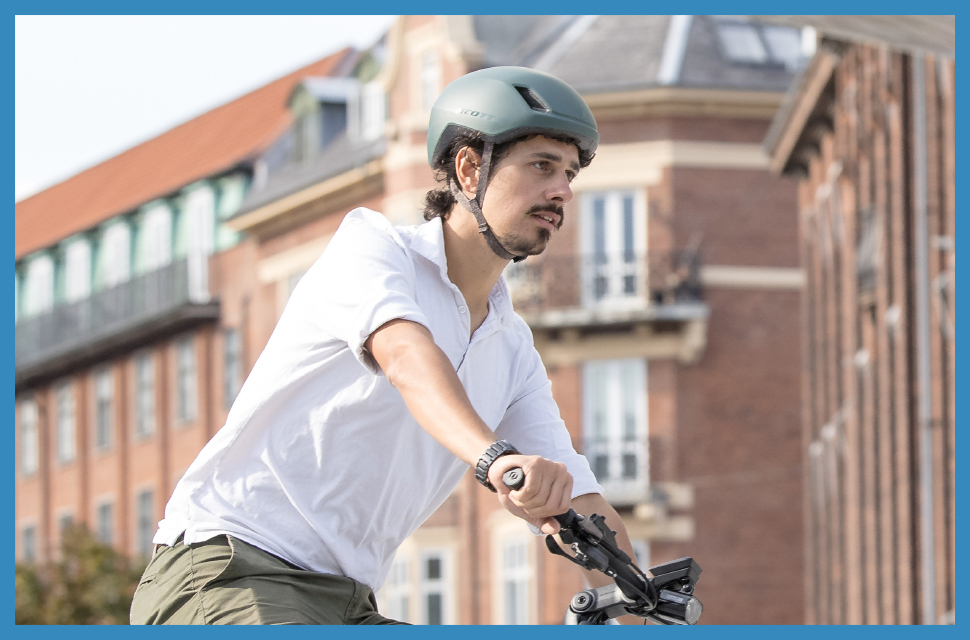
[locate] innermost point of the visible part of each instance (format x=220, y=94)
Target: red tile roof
x=210, y=143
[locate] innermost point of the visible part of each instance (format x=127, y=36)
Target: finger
x=550, y=526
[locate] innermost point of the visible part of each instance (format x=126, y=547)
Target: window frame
x=66, y=422
x=144, y=392
x=29, y=437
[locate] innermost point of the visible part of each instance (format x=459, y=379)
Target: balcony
x=112, y=321
x=598, y=306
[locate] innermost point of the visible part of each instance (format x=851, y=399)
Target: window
x=641, y=548
x=103, y=393
x=186, y=382
x=157, y=230
x=64, y=523
x=66, y=445
x=28, y=539
x=615, y=426
x=615, y=267
x=39, y=288
x=372, y=111
x=515, y=580
x=430, y=78
x=200, y=209
x=105, y=522
x=29, y=449
x=433, y=587
x=394, y=594
x=77, y=272
x=116, y=254
x=761, y=44
x=232, y=368
x=144, y=395
x=146, y=523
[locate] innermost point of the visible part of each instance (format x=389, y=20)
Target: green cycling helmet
x=501, y=104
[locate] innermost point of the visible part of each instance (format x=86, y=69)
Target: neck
x=472, y=266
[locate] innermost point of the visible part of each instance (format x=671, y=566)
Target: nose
x=560, y=190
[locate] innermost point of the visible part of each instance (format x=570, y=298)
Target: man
x=397, y=364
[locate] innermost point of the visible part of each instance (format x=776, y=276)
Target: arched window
x=39, y=287
x=77, y=270
x=116, y=254
x=157, y=245
x=200, y=207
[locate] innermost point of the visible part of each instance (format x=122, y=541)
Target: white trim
x=674, y=48
x=731, y=277
x=565, y=41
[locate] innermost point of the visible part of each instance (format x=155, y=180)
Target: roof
x=598, y=54
x=209, y=144
x=912, y=34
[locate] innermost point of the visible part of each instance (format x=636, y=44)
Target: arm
x=424, y=377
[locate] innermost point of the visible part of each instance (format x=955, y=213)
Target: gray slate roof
x=608, y=53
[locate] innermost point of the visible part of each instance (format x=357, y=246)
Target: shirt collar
x=429, y=242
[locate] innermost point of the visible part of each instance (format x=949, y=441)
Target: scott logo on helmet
x=475, y=114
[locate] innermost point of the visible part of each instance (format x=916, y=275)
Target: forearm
x=424, y=377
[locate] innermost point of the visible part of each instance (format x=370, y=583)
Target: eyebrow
x=554, y=157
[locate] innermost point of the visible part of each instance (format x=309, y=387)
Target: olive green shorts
x=226, y=581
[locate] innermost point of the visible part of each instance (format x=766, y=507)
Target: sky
x=89, y=87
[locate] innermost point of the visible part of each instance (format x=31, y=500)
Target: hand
x=547, y=491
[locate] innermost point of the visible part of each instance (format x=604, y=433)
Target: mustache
x=549, y=208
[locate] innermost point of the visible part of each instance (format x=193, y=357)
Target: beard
x=526, y=246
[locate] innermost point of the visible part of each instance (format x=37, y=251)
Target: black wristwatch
x=497, y=450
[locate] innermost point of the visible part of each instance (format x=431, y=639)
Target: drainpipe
x=924, y=409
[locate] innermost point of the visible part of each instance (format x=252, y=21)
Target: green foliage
x=90, y=584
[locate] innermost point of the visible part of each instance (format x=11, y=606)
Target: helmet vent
x=535, y=102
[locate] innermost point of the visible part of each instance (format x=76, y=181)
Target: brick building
x=666, y=310
x=868, y=133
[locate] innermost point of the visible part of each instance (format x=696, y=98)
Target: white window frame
x=145, y=524
x=29, y=438
x=105, y=534
x=157, y=237
x=66, y=422
x=77, y=270
x=231, y=365
x=372, y=110
x=429, y=79
x=144, y=395
x=200, y=219
x=430, y=587
x=39, y=286
x=103, y=408
x=116, y=254
x=613, y=249
x=395, y=595
x=28, y=543
x=516, y=573
x=615, y=425
x=186, y=380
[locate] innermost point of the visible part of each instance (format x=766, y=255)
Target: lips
x=547, y=219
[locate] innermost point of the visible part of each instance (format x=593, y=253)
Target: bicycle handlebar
x=665, y=598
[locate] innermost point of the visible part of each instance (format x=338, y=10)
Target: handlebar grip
x=514, y=478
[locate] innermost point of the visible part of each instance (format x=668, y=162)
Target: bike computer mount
x=665, y=598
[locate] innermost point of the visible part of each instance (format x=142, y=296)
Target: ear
x=467, y=164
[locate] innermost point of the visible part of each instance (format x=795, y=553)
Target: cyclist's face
x=527, y=191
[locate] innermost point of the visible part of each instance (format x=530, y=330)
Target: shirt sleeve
x=532, y=423
x=365, y=278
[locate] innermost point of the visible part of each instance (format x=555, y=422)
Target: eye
x=541, y=165
x=570, y=176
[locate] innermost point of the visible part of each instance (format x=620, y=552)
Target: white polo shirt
x=319, y=461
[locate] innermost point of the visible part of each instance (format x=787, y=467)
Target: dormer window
x=753, y=43
x=157, y=240
x=116, y=254
x=39, y=286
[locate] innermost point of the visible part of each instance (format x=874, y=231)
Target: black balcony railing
x=119, y=317
x=620, y=281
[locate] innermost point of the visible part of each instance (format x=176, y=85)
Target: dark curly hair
x=440, y=202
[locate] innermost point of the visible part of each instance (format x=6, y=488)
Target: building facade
x=868, y=133
x=666, y=311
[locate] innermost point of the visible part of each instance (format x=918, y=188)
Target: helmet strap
x=475, y=206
